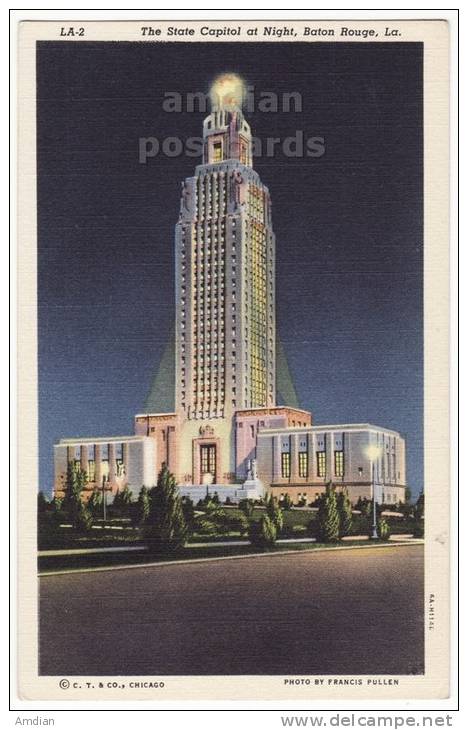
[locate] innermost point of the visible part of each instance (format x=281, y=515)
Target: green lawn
x=119, y=532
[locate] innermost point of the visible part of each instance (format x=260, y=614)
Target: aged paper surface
x=308, y=272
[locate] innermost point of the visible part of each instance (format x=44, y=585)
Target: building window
x=321, y=463
x=217, y=152
x=339, y=463
x=303, y=463
x=286, y=465
x=252, y=431
x=91, y=470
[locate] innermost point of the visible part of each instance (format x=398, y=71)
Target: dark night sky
x=348, y=227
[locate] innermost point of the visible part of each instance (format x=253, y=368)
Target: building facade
x=226, y=432
x=111, y=463
x=300, y=462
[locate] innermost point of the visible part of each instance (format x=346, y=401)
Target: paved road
x=349, y=612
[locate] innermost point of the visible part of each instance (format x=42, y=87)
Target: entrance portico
x=206, y=457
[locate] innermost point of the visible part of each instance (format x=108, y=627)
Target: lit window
x=321, y=463
x=303, y=463
x=339, y=463
x=286, y=465
x=217, y=152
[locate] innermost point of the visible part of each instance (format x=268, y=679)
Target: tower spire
x=226, y=134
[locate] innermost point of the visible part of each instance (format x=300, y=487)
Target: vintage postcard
x=233, y=360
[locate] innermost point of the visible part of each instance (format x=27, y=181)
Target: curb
x=168, y=563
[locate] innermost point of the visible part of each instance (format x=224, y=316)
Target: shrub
x=122, y=504
x=274, y=512
x=262, y=533
x=418, y=530
x=56, y=504
x=49, y=523
x=210, y=505
x=95, y=503
x=383, y=529
x=360, y=525
x=313, y=528
x=222, y=522
x=247, y=507
x=204, y=526
x=286, y=502
x=188, y=510
x=364, y=505
x=242, y=524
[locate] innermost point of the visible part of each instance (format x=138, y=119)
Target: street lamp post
x=373, y=453
x=104, y=500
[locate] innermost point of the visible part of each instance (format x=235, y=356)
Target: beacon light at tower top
x=227, y=92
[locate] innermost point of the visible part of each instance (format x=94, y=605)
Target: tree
x=83, y=518
x=419, y=516
x=166, y=526
x=262, y=534
x=419, y=507
x=247, y=507
x=274, y=512
x=42, y=503
x=328, y=517
x=407, y=495
x=345, y=512
x=72, y=504
x=142, y=507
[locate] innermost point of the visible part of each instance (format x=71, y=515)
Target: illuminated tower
x=225, y=272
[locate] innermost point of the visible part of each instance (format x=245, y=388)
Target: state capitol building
x=227, y=433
